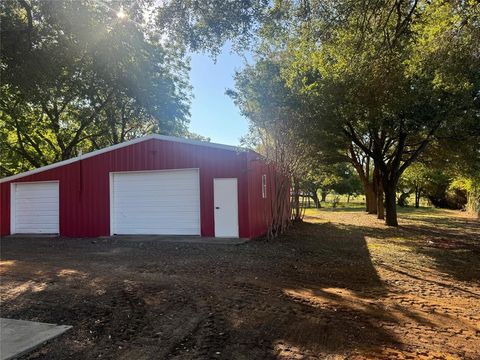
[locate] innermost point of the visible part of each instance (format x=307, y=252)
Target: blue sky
x=213, y=114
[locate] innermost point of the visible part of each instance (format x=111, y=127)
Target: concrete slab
x=29, y=236
x=18, y=337
x=191, y=239
x=180, y=239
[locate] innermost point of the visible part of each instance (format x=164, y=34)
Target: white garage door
x=156, y=202
x=35, y=208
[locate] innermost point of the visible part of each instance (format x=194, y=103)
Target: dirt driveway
x=339, y=286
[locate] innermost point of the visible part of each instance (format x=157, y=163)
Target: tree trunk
x=417, y=197
x=280, y=206
x=390, y=204
x=380, y=207
x=370, y=198
x=473, y=200
x=348, y=198
x=402, y=199
x=296, y=200
x=316, y=200
x=324, y=195
x=379, y=195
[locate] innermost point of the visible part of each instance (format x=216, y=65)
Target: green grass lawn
x=449, y=238
x=360, y=205
x=359, y=202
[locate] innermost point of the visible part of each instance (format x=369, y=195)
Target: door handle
x=217, y=207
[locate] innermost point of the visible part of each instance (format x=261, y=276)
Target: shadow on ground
x=453, y=244
x=314, y=292
x=198, y=301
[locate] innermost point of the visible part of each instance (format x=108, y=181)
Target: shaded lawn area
x=425, y=231
x=341, y=285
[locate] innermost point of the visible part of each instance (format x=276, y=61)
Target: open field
x=341, y=285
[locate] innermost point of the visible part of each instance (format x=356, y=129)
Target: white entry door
x=164, y=202
x=34, y=208
x=226, y=207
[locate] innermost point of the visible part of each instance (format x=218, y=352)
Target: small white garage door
x=35, y=208
x=156, y=202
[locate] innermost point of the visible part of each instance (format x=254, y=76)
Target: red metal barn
x=151, y=185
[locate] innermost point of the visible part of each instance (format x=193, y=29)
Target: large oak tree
x=76, y=76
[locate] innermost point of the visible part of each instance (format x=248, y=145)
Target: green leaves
x=206, y=25
x=77, y=77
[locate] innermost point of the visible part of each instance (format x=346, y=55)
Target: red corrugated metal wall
x=260, y=211
x=84, y=185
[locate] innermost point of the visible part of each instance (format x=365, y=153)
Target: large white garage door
x=35, y=208
x=156, y=202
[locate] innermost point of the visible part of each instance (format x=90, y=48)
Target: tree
x=339, y=178
x=383, y=78
x=75, y=77
x=208, y=24
x=414, y=180
x=262, y=96
x=311, y=183
x=452, y=171
x=471, y=186
x=348, y=182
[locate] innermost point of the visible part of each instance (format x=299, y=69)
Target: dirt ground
x=340, y=286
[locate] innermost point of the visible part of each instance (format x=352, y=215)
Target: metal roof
x=119, y=146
